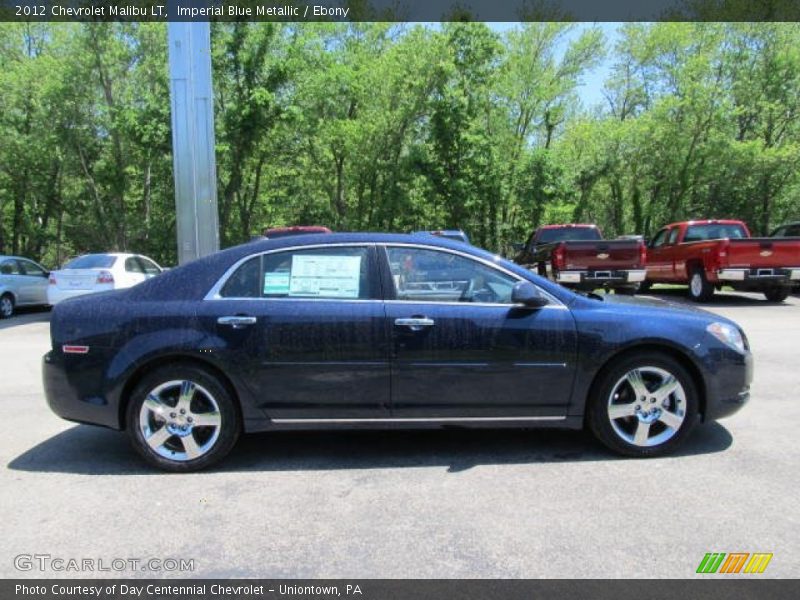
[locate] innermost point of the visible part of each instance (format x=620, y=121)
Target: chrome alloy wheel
x=180, y=420
x=647, y=406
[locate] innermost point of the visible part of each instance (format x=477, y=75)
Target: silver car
x=22, y=283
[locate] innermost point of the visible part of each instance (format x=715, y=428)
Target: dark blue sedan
x=372, y=330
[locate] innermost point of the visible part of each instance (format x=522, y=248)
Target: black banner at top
x=399, y=10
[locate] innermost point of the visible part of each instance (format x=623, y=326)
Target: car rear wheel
x=699, y=288
x=777, y=294
x=182, y=418
x=643, y=405
x=6, y=306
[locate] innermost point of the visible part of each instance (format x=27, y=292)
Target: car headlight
x=728, y=334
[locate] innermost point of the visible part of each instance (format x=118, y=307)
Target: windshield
x=714, y=231
x=568, y=233
x=92, y=261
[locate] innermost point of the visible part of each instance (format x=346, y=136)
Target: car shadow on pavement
x=719, y=299
x=87, y=450
x=24, y=316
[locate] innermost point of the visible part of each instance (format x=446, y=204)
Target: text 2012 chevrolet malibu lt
x=378, y=330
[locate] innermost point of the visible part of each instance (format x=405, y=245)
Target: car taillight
x=105, y=277
x=642, y=255
x=558, y=257
x=52, y=280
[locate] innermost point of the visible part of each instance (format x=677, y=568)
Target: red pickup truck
x=577, y=256
x=709, y=254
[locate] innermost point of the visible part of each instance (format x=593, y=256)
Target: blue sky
x=590, y=92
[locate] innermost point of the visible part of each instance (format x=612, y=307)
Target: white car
x=92, y=273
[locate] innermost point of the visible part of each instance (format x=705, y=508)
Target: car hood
x=638, y=307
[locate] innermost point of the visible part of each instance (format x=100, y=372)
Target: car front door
x=462, y=350
x=35, y=282
x=305, y=330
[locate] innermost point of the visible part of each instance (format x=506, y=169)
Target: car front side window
x=426, y=275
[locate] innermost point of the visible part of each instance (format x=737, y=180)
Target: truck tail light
x=105, y=277
x=642, y=254
x=558, y=257
x=722, y=253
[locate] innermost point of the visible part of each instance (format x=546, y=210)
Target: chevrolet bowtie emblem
x=766, y=253
x=602, y=255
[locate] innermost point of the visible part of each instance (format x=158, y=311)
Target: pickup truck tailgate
x=763, y=253
x=602, y=255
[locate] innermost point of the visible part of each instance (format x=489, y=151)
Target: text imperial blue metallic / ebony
x=380, y=330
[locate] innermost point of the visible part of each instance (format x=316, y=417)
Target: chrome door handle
x=237, y=321
x=414, y=323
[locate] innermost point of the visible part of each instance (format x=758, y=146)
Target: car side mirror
x=526, y=294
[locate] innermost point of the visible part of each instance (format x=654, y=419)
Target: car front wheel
x=644, y=405
x=182, y=418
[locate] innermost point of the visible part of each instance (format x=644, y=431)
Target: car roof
x=192, y=280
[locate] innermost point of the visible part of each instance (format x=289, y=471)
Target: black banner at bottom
x=733, y=588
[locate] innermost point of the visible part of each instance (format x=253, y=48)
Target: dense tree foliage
x=396, y=127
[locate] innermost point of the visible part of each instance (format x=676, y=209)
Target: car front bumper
x=728, y=389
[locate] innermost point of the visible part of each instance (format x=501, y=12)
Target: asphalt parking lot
x=440, y=504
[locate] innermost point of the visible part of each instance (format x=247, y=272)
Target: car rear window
x=92, y=261
x=713, y=231
x=569, y=233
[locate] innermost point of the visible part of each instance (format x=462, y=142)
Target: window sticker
x=276, y=283
x=325, y=276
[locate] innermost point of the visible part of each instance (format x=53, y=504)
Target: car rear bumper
x=771, y=275
x=599, y=278
x=54, y=295
x=65, y=400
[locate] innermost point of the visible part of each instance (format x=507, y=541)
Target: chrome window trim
x=553, y=301
x=213, y=293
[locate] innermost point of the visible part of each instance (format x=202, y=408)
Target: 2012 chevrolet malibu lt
x=379, y=330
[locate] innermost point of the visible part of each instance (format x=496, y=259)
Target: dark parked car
x=788, y=230
x=379, y=330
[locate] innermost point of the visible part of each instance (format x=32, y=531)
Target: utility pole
x=194, y=162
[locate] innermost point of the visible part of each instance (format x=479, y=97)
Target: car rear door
x=461, y=350
x=305, y=330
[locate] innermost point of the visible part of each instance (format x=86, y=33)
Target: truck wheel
x=644, y=287
x=700, y=289
x=777, y=293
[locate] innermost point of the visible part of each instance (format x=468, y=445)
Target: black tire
x=777, y=293
x=6, y=306
x=208, y=390
x=645, y=286
x=611, y=435
x=700, y=290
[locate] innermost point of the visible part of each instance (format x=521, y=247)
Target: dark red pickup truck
x=577, y=256
x=709, y=254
